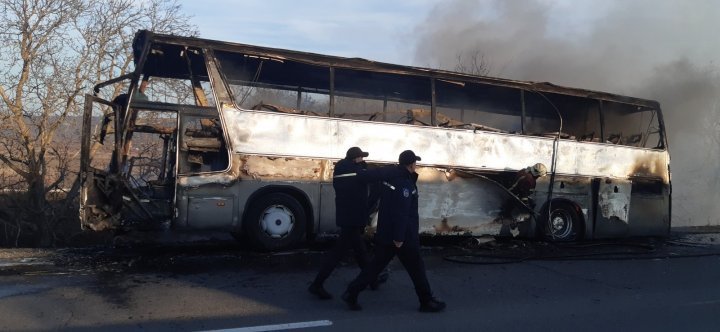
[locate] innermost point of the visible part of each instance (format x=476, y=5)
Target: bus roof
x=168, y=44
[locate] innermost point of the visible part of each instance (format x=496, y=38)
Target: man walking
x=351, y=215
x=397, y=234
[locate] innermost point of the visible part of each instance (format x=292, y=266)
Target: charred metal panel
x=610, y=203
x=566, y=186
x=450, y=204
x=98, y=211
x=193, y=187
x=274, y=134
x=218, y=177
x=614, y=199
x=649, y=214
x=647, y=187
x=252, y=167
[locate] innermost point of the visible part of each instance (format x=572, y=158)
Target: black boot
x=319, y=291
x=381, y=279
x=351, y=300
x=432, y=305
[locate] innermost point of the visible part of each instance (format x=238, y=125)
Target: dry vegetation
x=54, y=51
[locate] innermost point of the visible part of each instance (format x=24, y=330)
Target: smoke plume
x=665, y=50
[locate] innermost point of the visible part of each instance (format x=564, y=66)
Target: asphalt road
x=514, y=286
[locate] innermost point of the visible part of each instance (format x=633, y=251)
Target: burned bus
x=244, y=138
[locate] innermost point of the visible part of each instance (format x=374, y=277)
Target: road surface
x=509, y=286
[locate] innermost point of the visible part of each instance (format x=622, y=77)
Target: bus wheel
x=275, y=221
x=563, y=225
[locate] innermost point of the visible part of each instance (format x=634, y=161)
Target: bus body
x=247, y=138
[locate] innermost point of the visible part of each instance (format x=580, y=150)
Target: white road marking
x=24, y=261
x=277, y=327
x=704, y=302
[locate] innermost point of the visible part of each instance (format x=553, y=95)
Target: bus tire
x=275, y=221
x=564, y=223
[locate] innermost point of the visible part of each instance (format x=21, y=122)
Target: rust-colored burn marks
x=453, y=174
x=445, y=228
x=225, y=178
x=282, y=168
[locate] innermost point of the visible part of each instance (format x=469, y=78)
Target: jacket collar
x=404, y=171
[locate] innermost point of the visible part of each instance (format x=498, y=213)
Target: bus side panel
x=650, y=208
x=453, y=203
x=303, y=178
x=318, y=139
x=205, y=206
x=247, y=177
x=221, y=207
x=615, y=202
x=256, y=132
x=210, y=211
x=326, y=218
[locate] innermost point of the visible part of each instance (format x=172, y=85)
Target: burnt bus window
x=580, y=117
x=202, y=147
x=383, y=97
x=174, y=91
x=267, y=83
x=541, y=118
x=631, y=125
x=478, y=106
x=103, y=136
x=407, y=113
x=359, y=108
x=146, y=158
x=151, y=155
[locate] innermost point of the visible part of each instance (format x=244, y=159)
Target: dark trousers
x=350, y=238
x=409, y=257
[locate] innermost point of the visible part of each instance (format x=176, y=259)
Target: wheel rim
x=560, y=224
x=277, y=221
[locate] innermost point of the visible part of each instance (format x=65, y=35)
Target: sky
x=666, y=50
x=409, y=32
x=373, y=29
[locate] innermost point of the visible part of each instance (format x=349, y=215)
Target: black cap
x=408, y=157
x=355, y=152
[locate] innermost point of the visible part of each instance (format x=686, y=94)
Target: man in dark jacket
x=397, y=234
x=350, y=181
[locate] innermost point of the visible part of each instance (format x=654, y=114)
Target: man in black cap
x=350, y=181
x=397, y=234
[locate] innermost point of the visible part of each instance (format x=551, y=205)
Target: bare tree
x=53, y=52
x=472, y=62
